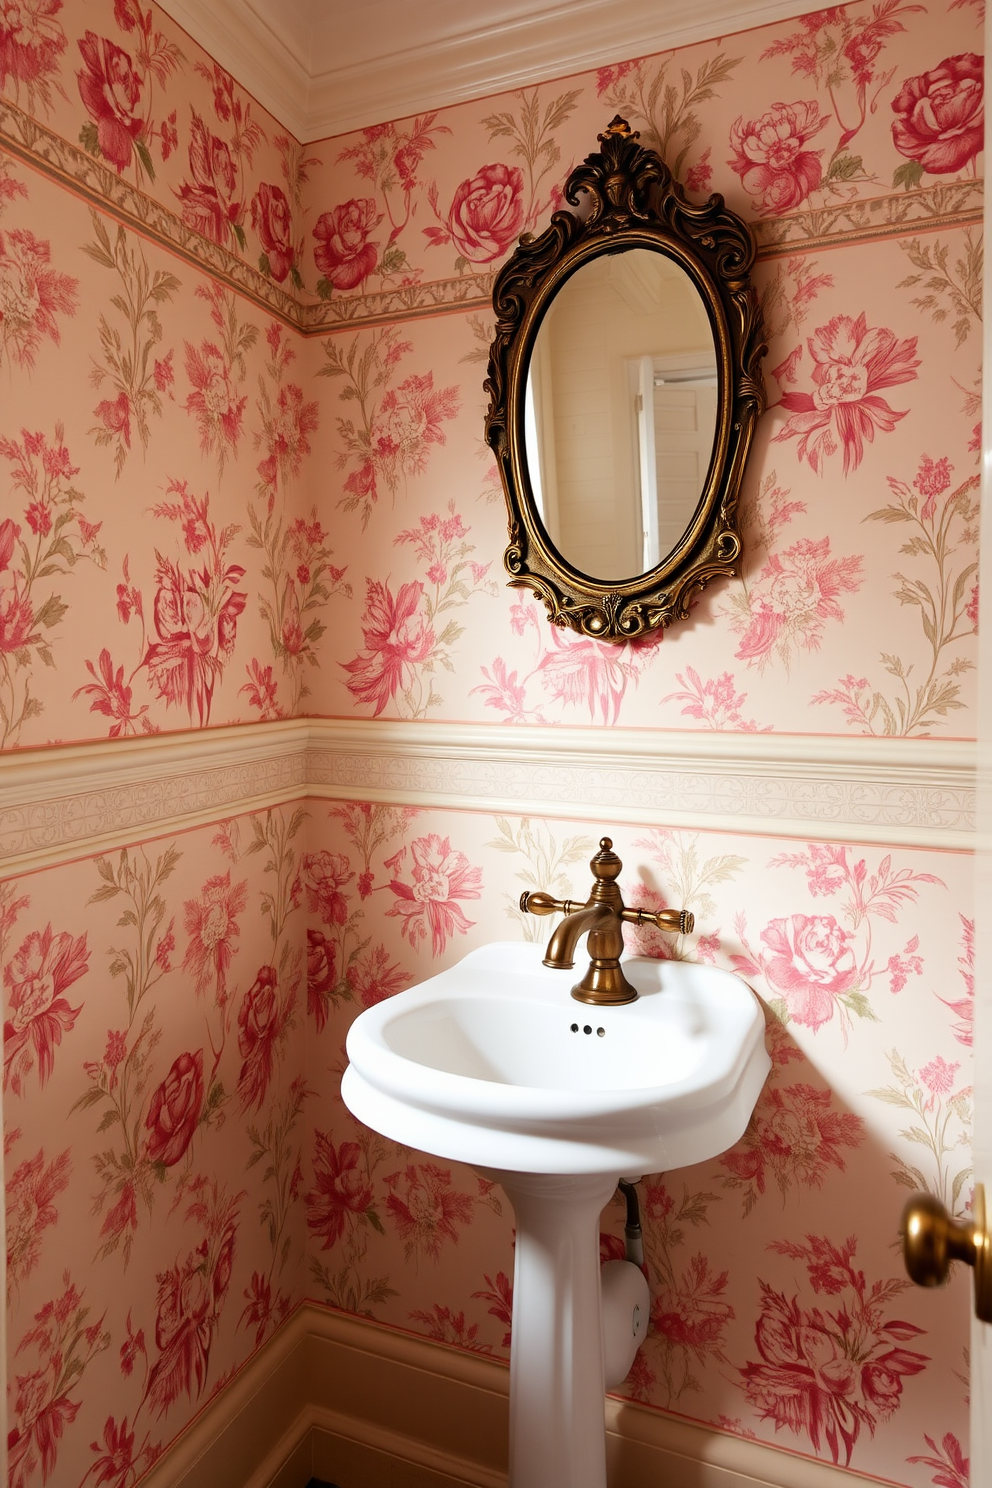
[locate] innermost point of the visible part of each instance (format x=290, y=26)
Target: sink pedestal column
x=557, y=1390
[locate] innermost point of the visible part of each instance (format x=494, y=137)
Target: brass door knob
x=931, y=1240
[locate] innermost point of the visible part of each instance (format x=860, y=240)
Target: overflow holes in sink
x=601, y=1032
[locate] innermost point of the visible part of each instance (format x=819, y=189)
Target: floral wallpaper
x=244, y=480
x=154, y=1142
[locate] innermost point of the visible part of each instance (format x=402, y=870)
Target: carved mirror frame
x=627, y=198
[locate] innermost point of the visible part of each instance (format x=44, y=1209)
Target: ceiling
x=324, y=67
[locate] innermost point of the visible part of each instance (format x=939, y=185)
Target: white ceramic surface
x=489, y=1063
x=493, y=1063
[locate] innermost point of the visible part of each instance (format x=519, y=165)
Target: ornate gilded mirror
x=625, y=386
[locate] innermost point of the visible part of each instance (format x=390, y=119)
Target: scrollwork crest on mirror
x=634, y=237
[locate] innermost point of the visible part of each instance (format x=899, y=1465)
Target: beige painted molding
x=351, y=1401
x=337, y=83
x=74, y=800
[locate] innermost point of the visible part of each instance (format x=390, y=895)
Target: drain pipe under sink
x=626, y=1297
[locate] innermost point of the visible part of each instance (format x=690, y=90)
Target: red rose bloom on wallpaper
x=771, y=159
x=261, y=1022
x=344, y=255
x=397, y=639
x=852, y=365
x=175, y=1109
x=486, y=214
x=209, y=203
x=325, y=875
x=812, y=962
x=940, y=115
x=212, y=926
x=339, y=1191
x=38, y=974
x=272, y=219
x=111, y=91
x=441, y=877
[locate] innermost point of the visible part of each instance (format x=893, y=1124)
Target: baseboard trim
x=366, y=1406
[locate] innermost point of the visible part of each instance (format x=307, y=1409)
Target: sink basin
x=493, y=1063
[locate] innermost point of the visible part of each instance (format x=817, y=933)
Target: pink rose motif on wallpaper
x=825, y=1375
x=771, y=159
x=426, y=1210
x=174, y=1112
x=37, y=976
x=212, y=926
x=397, y=640
x=790, y=602
x=441, y=876
x=341, y=1194
x=852, y=365
x=31, y=295
x=811, y=961
x=485, y=216
x=272, y=219
x=940, y=116
x=31, y=42
x=344, y=253
x=261, y=1023
x=190, y=1298
x=325, y=875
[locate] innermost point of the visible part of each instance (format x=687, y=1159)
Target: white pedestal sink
x=492, y=1063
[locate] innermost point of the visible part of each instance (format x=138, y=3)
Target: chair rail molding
x=75, y=800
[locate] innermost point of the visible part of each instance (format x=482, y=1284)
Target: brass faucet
x=600, y=916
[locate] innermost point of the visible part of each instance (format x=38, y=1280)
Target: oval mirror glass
x=621, y=407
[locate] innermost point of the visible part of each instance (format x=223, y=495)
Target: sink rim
x=474, y=1101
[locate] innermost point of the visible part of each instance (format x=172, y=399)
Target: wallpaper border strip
x=73, y=800
x=329, y=1381
x=943, y=207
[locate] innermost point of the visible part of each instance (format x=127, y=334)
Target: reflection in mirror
x=620, y=412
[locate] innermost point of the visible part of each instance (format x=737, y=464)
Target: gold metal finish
x=629, y=199
x=931, y=1240
x=599, y=917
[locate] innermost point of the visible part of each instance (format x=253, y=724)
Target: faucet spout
x=601, y=918
x=561, y=947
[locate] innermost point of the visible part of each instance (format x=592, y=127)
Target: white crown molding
x=258, y=55
x=76, y=800
x=341, y=88
x=331, y=1393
